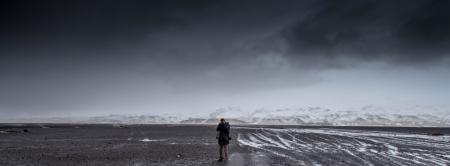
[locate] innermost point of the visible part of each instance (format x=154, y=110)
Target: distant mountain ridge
x=366, y=116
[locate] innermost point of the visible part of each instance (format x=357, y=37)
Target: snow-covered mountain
x=365, y=116
x=210, y=121
x=113, y=119
x=133, y=119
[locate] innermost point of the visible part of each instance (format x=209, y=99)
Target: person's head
x=222, y=120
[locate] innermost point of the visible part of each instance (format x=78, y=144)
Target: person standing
x=223, y=137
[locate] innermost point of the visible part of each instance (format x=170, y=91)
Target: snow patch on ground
x=152, y=140
x=358, y=145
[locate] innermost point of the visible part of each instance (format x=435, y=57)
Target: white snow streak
x=316, y=146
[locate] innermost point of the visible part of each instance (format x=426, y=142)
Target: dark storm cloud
x=92, y=19
x=154, y=37
x=399, y=32
x=77, y=55
x=314, y=33
x=93, y=54
x=59, y=39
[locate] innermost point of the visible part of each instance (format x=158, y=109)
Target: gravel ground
x=58, y=144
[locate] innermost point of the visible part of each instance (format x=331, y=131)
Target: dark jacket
x=224, y=133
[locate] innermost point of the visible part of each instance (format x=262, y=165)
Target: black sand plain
x=172, y=144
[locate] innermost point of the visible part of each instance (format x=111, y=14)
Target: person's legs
x=220, y=152
x=225, y=150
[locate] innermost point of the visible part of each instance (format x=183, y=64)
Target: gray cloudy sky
x=92, y=57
